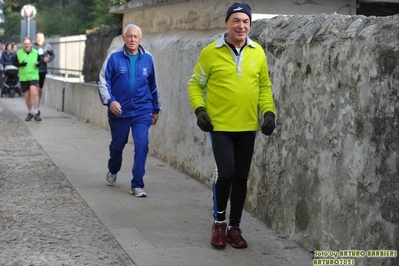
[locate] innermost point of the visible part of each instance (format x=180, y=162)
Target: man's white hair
x=132, y=26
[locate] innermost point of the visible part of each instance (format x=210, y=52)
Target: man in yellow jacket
x=27, y=60
x=233, y=72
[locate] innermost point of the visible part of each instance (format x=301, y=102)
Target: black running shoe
x=37, y=117
x=29, y=117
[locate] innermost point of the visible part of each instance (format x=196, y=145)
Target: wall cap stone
x=137, y=5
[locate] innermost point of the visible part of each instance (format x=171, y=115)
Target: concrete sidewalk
x=172, y=226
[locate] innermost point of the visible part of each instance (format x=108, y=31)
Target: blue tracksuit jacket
x=115, y=84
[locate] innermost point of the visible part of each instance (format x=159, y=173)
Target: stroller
x=11, y=81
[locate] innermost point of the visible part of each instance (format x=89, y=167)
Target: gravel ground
x=43, y=220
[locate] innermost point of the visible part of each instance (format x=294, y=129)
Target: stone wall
x=328, y=176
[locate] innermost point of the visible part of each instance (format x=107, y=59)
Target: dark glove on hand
x=37, y=63
x=203, y=120
x=268, y=123
x=23, y=63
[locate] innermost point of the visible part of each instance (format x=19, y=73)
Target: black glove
x=268, y=123
x=203, y=120
x=22, y=64
x=37, y=64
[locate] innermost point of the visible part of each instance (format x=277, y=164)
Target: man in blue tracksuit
x=129, y=88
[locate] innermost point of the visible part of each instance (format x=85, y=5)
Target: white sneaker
x=138, y=192
x=111, y=179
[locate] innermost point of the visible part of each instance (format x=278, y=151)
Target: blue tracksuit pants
x=120, y=128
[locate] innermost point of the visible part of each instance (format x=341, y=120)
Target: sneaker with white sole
x=111, y=179
x=138, y=192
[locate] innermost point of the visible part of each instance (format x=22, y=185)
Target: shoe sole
x=238, y=247
x=218, y=247
x=142, y=196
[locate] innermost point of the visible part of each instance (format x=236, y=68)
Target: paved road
x=56, y=209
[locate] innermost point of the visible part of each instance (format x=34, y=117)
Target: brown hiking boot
x=218, y=239
x=235, y=238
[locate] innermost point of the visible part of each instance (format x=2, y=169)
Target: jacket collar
x=222, y=41
x=140, y=49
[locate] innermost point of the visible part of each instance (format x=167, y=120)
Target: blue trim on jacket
x=115, y=84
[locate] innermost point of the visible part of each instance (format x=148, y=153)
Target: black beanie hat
x=239, y=7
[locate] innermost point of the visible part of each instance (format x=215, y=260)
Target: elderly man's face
x=27, y=45
x=132, y=40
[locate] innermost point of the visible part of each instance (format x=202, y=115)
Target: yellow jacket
x=235, y=86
